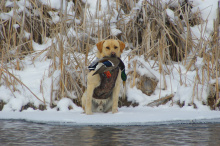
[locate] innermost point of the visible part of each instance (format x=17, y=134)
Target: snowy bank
x=50, y=45
x=125, y=116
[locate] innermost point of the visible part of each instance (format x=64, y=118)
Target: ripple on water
x=25, y=133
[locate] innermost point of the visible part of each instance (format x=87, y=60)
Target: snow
x=16, y=26
x=56, y=4
x=125, y=116
x=26, y=34
x=170, y=13
x=54, y=16
x=172, y=3
x=6, y=16
x=208, y=8
x=71, y=32
x=38, y=47
x=9, y=4
x=183, y=93
x=92, y=10
x=114, y=30
x=35, y=75
x=64, y=104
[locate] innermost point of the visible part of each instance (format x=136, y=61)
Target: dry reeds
x=147, y=30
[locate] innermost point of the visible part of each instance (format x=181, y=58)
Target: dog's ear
x=99, y=46
x=122, y=45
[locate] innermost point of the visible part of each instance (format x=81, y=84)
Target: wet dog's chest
x=105, y=89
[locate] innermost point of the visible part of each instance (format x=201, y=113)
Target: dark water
x=28, y=134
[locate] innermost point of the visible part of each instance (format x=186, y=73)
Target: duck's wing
x=114, y=61
x=102, y=69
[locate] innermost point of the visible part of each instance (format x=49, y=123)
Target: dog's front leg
x=88, y=107
x=115, y=94
x=92, y=83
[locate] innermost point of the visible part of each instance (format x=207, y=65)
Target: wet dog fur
x=106, y=48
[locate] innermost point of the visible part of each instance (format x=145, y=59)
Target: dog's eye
x=107, y=48
x=115, y=47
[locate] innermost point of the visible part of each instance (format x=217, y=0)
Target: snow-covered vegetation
x=171, y=56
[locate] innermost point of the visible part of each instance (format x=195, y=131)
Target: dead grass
x=149, y=32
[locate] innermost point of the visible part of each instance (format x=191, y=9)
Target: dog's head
x=110, y=48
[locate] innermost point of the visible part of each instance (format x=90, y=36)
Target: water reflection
x=24, y=133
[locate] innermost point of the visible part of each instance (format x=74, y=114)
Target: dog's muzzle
x=113, y=54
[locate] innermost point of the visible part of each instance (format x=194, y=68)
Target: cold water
x=27, y=133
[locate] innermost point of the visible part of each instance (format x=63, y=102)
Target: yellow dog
x=97, y=84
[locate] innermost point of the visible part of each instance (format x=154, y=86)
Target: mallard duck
x=123, y=74
x=107, y=64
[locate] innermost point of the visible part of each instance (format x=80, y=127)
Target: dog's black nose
x=113, y=54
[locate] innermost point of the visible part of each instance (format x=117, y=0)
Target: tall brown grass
x=149, y=30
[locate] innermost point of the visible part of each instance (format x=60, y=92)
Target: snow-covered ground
x=125, y=116
x=35, y=75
